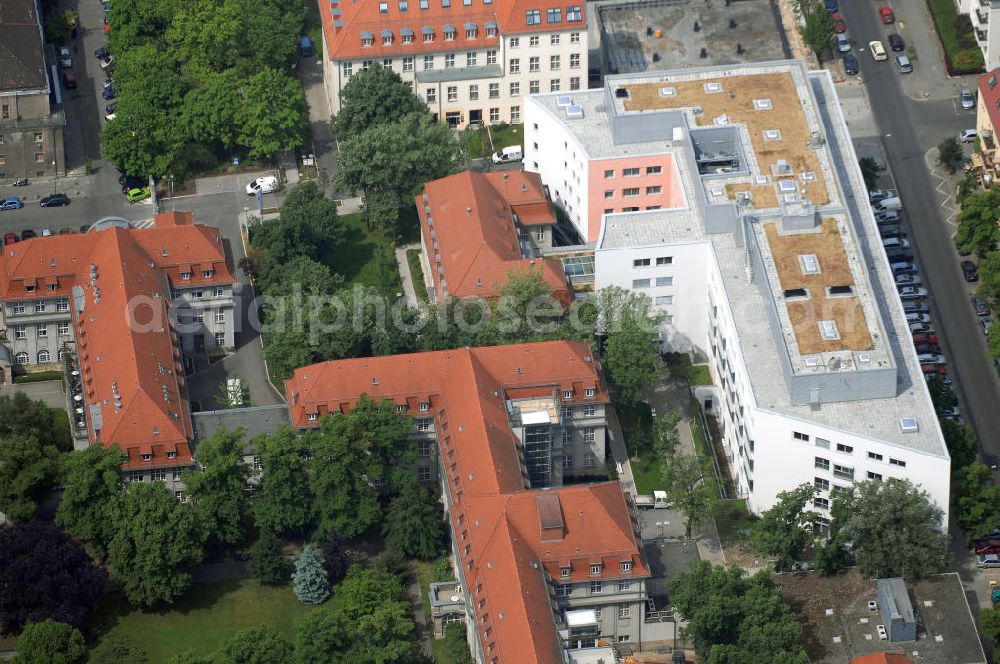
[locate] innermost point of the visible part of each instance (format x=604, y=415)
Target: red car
x=886, y=15
x=921, y=339
x=938, y=369
x=838, y=24
x=9, y=238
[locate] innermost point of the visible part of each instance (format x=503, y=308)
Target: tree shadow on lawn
x=351, y=255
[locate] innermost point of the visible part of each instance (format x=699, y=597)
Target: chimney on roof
x=468, y=210
x=524, y=187
x=550, y=519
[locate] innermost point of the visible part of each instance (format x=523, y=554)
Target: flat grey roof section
x=879, y=419
x=22, y=63
x=254, y=421
x=459, y=74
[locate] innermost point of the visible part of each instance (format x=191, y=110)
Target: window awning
x=470, y=26
x=367, y=35
x=491, y=25
x=386, y=33
x=406, y=32
x=448, y=27
x=427, y=30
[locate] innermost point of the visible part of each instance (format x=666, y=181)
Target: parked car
x=925, y=339
x=891, y=230
x=110, y=108
x=65, y=58
x=843, y=44
x=876, y=195
x=912, y=293
x=946, y=411
x=108, y=83
x=9, y=238
x=903, y=64
x=108, y=94
x=988, y=560
x=888, y=217
x=831, y=6
x=69, y=79
x=11, y=203
x=896, y=43
x=46, y=232
x=915, y=307
x=927, y=348
x=970, y=271
x=27, y=234
x=967, y=99
x=899, y=254
x=839, y=27
x=930, y=358
x=101, y=53
x=55, y=200
x=264, y=185
x=138, y=194
x=942, y=375
x=902, y=267
x=108, y=63
x=895, y=243
x=885, y=15
x=986, y=324
x=921, y=327
x=110, y=116
x=850, y=64
x=907, y=280
x=916, y=317
x=981, y=306
x=878, y=51
x=967, y=135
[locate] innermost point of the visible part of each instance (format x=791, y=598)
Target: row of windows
x=40, y=306
x=633, y=172
x=535, y=63
x=156, y=474
x=646, y=262
x=629, y=192
x=554, y=40
x=41, y=331
x=430, y=94
x=587, y=411
x=844, y=449
x=553, y=15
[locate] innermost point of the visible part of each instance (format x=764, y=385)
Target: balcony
x=447, y=600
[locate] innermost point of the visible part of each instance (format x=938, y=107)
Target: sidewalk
x=324, y=145
x=405, y=275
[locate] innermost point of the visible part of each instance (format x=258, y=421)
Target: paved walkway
x=49, y=392
x=324, y=145
x=620, y=453
x=405, y=275
x=423, y=632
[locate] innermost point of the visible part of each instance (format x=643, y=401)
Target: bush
x=38, y=376
x=456, y=644
x=443, y=570
x=968, y=60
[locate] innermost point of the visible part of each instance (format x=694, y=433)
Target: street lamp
x=170, y=179
x=55, y=176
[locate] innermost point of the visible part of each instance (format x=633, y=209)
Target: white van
x=893, y=203
x=508, y=154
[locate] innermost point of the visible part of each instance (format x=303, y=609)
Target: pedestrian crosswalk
x=143, y=223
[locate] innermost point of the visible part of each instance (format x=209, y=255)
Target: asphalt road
x=910, y=128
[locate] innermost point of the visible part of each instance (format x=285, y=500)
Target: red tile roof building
x=472, y=226
x=988, y=123
x=470, y=60
x=513, y=541
x=882, y=658
x=110, y=294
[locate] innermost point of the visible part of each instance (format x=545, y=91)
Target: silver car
x=967, y=99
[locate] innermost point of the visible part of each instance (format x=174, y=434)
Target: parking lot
x=687, y=33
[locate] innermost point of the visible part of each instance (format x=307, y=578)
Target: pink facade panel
x=630, y=184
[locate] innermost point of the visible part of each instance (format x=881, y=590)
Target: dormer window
x=567, y=394
x=207, y=274
x=30, y=288
x=383, y=8
x=407, y=37
x=491, y=32
x=171, y=455
x=52, y=287
x=312, y=417
x=589, y=393
x=147, y=457
x=449, y=34
x=595, y=570
x=386, y=37
x=400, y=409
x=367, y=39
x=185, y=276
x=626, y=566
x=471, y=30
x=564, y=572
x=424, y=406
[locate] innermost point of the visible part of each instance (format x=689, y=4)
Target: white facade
x=985, y=17
x=484, y=85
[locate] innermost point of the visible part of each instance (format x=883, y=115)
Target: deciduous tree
x=414, y=523
x=334, y=558
x=266, y=562
x=280, y=502
x=93, y=481
x=817, y=29
x=666, y=437
x=374, y=96
x=870, y=170
x=45, y=575
x=218, y=491
x=631, y=359
x=961, y=441
x=786, y=528
x=117, y=649
x=50, y=642
x=977, y=500
x=273, y=113
x=155, y=544
x=19, y=415
x=690, y=488
x=29, y=468
x=989, y=625
x=894, y=528
x=989, y=275
x=950, y=154
x=309, y=579
x=257, y=645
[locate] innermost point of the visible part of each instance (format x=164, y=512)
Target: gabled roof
x=346, y=24
x=989, y=94
x=470, y=236
x=132, y=380
x=504, y=550
x=22, y=64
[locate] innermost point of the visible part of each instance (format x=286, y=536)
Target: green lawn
x=679, y=364
x=647, y=473
x=355, y=257
x=208, y=615
x=733, y=519
x=417, y=273
x=964, y=58
x=503, y=135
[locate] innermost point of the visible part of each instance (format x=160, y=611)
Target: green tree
x=209, y=111
x=690, y=488
x=375, y=96
x=962, y=443
x=308, y=226
x=456, y=644
x=950, y=154
x=334, y=558
x=817, y=27
x=631, y=359
x=976, y=501
x=525, y=310
x=273, y=113
x=50, y=642
x=309, y=579
x=29, y=468
x=219, y=490
x=266, y=562
x=993, y=343
x=666, y=437
x=117, y=649
x=92, y=483
x=143, y=139
x=870, y=170
x=414, y=523
x=989, y=275
x=977, y=222
x=351, y=452
x=989, y=625
x=191, y=657
x=894, y=529
x=19, y=415
x=280, y=502
x=57, y=30
x=257, y=645
x=732, y=618
x=395, y=160
x=785, y=529
x=372, y=604
x=156, y=542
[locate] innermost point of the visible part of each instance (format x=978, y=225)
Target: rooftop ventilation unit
x=712, y=88
x=809, y=264
x=908, y=425
x=828, y=330
x=808, y=176
x=787, y=186
x=772, y=134
x=562, y=101
x=762, y=105
x=760, y=180
x=668, y=91
x=811, y=362
x=721, y=120
x=574, y=112
x=621, y=93
x=781, y=167
x=864, y=358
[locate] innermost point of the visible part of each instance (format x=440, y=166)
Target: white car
x=912, y=293
x=967, y=135
x=917, y=317
x=878, y=51
x=264, y=185
x=907, y=280
x=65, y=58
x=930, y=358
x=843, y=44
